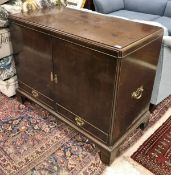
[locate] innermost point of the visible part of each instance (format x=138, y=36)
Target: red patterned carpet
x=155, y=153
x=32, y=142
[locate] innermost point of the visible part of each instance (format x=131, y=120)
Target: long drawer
x=82, y=123
x=36, y=94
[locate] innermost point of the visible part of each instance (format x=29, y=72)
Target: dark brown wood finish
x=92, y=30
x=93, y=72
x=33, y=61
x=137, y=70
x=85, y=83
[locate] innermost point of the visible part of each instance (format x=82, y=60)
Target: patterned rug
x=155, y=153
x=32, y=142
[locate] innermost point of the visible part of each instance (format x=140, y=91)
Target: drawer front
x=135, y=87
x=36, y=94
x=85, y=82
x=81, y=123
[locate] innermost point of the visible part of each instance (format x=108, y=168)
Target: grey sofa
x=162, y=83
x=148, y=10
x=152, y=12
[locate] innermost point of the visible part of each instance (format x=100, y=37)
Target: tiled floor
x=124, y=165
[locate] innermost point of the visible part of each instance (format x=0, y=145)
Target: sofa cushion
x=167, y=41
x=168, y=9
x=156, y=7
x=166, y=21
x=108, y=6
x=134, y=15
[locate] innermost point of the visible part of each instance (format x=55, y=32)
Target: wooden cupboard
x=93, y=72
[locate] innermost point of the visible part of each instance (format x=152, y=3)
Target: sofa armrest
x=167, y=41
x=108, y=6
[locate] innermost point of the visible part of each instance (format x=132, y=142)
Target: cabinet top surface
x=109, y=31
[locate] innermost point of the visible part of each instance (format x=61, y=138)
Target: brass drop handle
x=53, y=78
x=138, y=93
x=35, y=93
x=56, y=78
x=79, y=121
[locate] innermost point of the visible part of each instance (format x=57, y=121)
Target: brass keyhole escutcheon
x=79, y=121
x=35, y=93
x=138, y=93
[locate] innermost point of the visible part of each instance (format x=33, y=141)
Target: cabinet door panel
x=33, y=58
x=85, y=82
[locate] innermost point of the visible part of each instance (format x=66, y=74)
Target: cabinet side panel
x=136, y=79
x=33, y=58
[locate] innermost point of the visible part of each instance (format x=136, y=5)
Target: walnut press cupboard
x=93, y=72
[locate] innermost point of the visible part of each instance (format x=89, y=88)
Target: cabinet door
x=84, y=90
x=33, y=62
